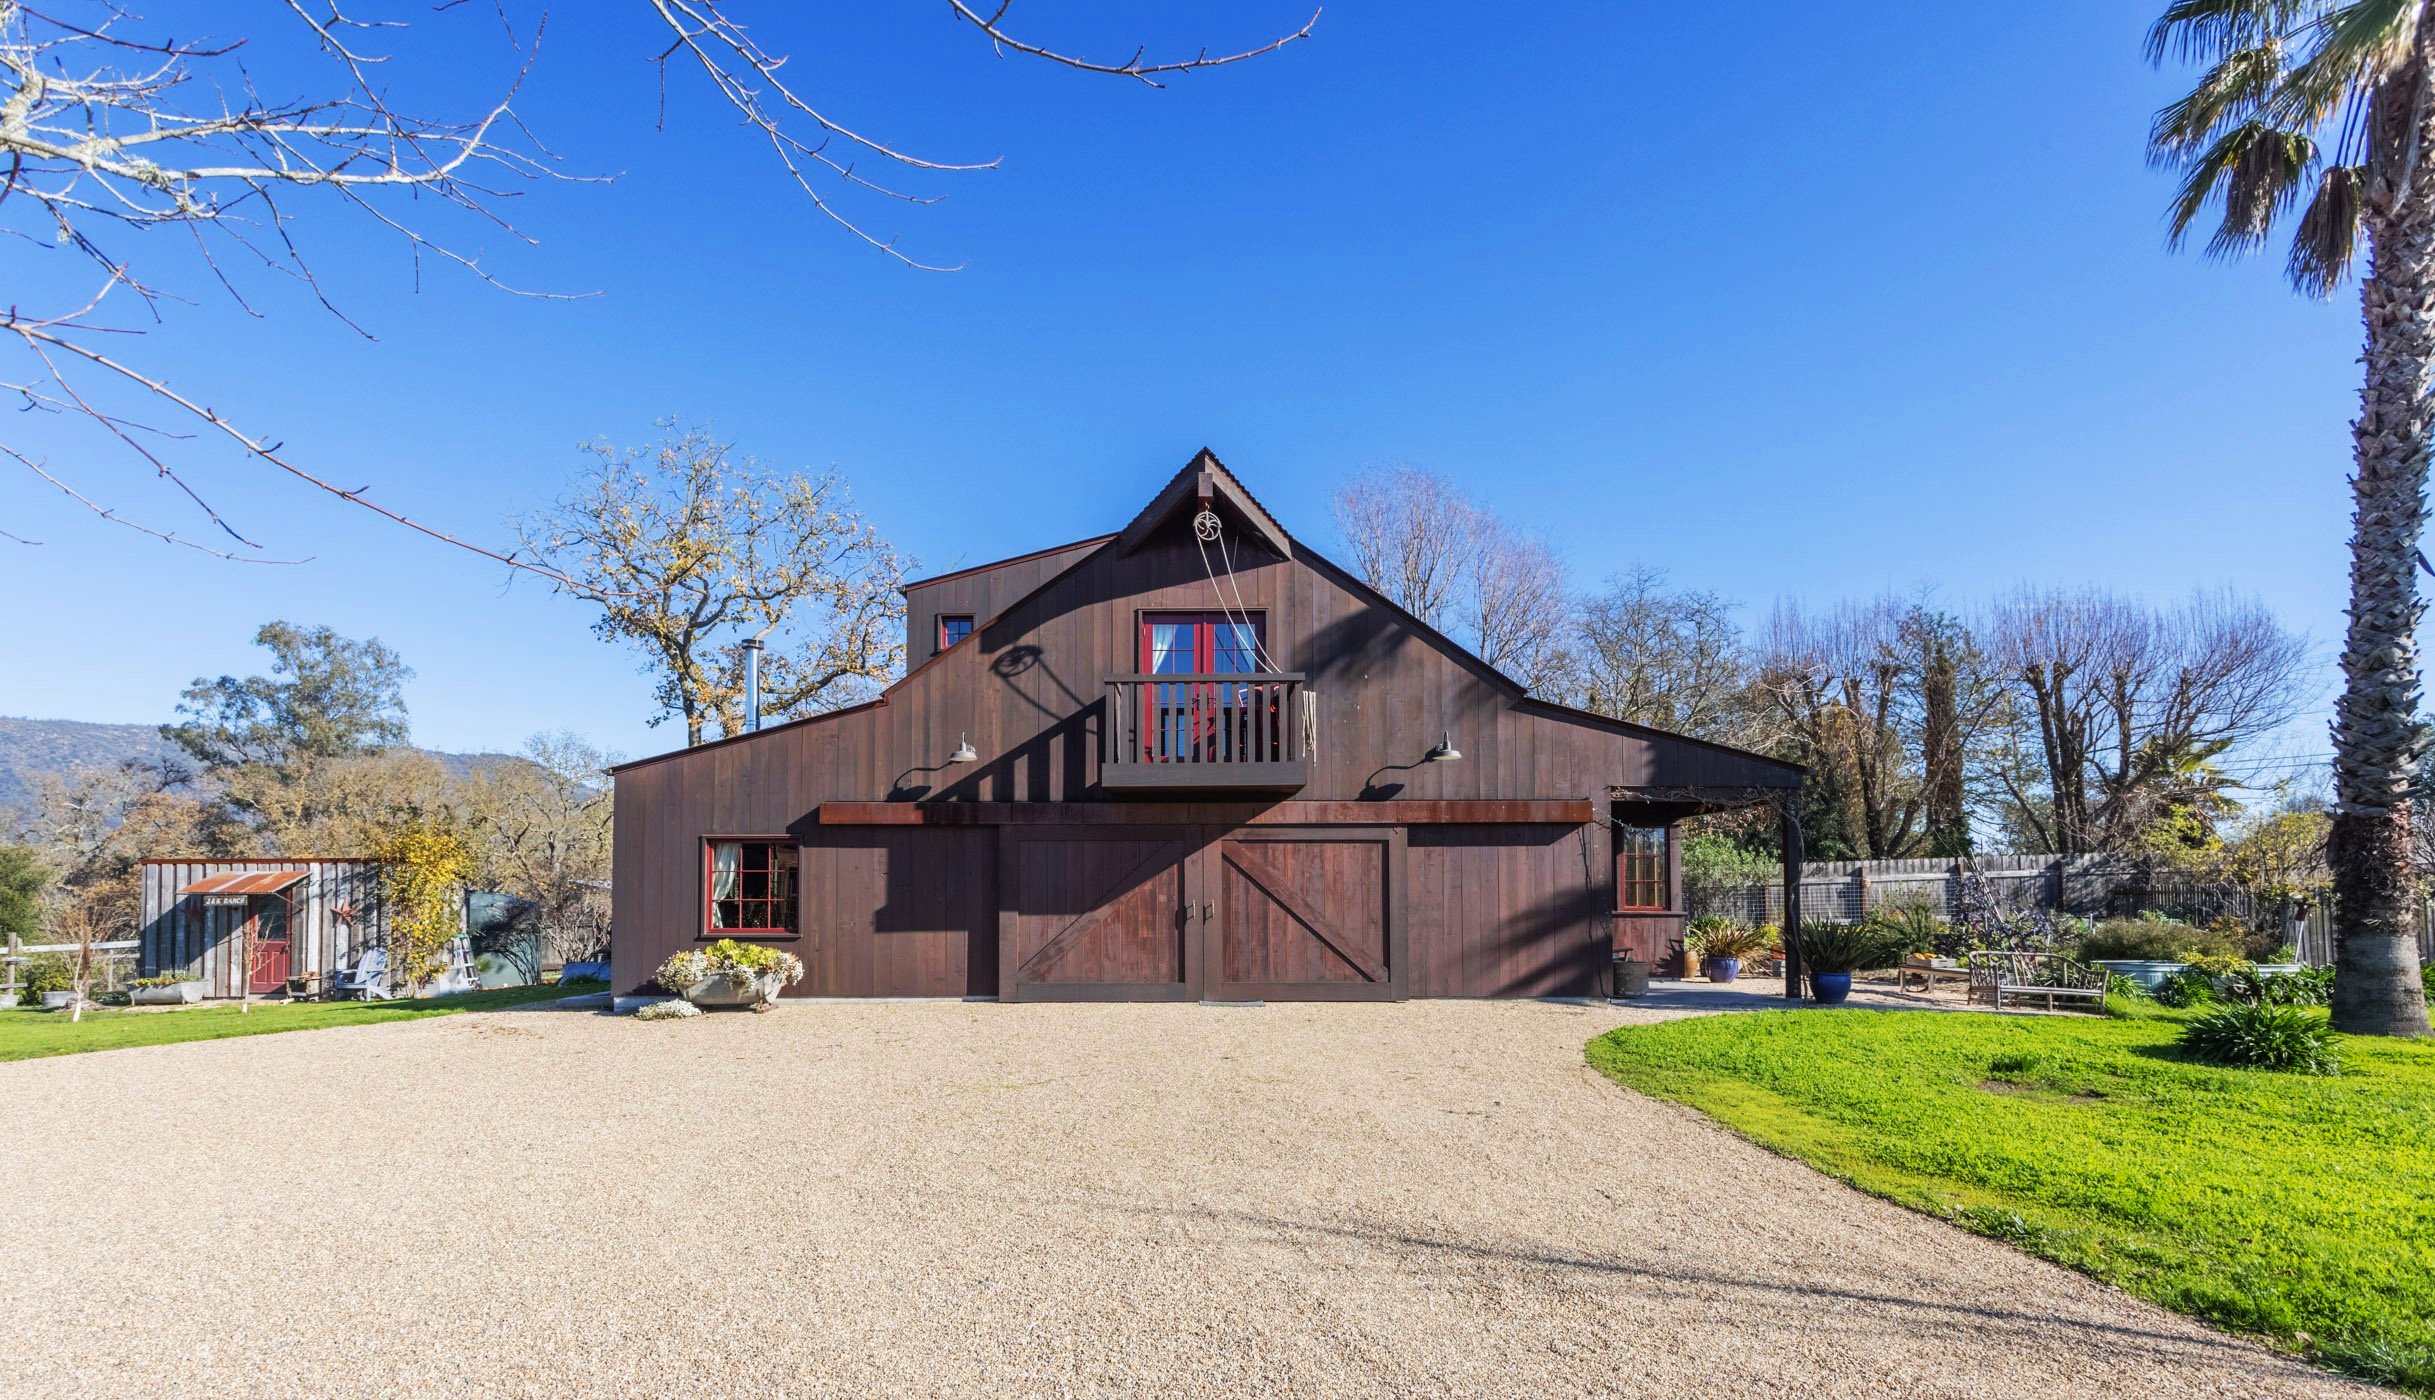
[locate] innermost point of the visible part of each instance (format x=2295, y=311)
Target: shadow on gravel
x=1690, y=1280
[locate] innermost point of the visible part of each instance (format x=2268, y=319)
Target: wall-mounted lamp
x=964, y=751
x=1445, y=752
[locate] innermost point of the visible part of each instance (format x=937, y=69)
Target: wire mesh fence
x=2091, y=887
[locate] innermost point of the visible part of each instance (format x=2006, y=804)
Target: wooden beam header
x=1563, y=812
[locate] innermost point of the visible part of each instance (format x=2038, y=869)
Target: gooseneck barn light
x=1445, y=752
x=964, y=751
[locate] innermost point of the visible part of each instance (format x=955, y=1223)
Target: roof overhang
x=246, y=882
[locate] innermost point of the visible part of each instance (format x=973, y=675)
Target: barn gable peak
x=1205, y=484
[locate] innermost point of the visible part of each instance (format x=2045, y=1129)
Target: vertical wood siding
x=178, y=937
x=1494, y=911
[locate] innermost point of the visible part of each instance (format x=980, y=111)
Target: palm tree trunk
x=2376, y=737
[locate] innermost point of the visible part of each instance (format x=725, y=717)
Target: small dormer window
x=953, y=628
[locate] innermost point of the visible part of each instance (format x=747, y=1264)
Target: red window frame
x=1182, y=721
x=1641, y=883
x=776, y=907
x=1204, y=637
x=945, y=641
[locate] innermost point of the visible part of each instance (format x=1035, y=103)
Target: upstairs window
x=1187, y=644
x=1640, y=868
x=953, y=628
x=749, y=888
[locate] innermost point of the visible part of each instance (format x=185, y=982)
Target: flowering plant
x=691, y=968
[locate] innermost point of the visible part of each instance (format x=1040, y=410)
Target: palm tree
x=2282, y=78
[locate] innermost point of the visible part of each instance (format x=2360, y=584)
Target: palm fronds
x=2251, y=138
x=2328, y=235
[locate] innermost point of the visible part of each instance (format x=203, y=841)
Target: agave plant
x=2323, y=111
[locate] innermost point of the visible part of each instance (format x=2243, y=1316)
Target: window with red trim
x=748, y=887
x=1640, y=868
x=953, y=628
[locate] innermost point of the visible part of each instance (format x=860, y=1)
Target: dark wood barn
x=1190, y=760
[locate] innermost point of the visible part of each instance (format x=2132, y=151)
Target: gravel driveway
x=1426, y=1199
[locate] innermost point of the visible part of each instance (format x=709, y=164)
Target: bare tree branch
x=108, y=129
x=1131, y=68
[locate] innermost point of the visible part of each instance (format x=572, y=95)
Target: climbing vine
x=422, y=887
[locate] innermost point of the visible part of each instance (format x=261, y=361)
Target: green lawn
x=26, y=1035
x=2301, y=1209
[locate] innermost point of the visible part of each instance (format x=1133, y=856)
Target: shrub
x=44, y=972
x=165, y=979
x=2155, y=940
x=2310, y=986
x=1911, y=928
x=667, y=1011
x=2187, y=987
x=2117, y=985
x=2251, y=1036
x=1847, y=947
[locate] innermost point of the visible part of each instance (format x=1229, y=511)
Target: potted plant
x=1831, y=953
x=729, y=973
x=168, y=989
x=1720, y=944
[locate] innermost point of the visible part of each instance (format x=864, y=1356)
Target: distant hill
x=30, y=747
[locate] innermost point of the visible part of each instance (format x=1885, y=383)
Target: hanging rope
x=1206, y=529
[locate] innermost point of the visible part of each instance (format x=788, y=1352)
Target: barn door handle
x=1208, y=911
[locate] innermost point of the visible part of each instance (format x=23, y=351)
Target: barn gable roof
x=1205, y=478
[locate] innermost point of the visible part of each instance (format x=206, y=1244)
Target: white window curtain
x=725, y=858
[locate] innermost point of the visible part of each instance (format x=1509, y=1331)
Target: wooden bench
x=2001, y=978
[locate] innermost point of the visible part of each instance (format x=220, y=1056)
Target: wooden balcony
x=1239, y=732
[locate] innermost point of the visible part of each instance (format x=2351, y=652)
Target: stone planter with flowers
x=731, y=974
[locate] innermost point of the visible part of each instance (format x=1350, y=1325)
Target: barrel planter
x=1631, y=977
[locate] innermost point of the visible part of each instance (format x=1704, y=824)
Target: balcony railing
x=1240, y=732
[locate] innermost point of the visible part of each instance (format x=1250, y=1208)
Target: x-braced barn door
x=1100, y=914
x=1309, y=914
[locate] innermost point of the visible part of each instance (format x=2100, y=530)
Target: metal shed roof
x=251, y=882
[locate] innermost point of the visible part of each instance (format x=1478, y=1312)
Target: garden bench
x=1998, y=978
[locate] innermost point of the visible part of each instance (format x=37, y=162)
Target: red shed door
x=270, y=965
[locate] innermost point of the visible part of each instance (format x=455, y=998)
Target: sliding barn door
x=1099, y=914
x=1308, y=914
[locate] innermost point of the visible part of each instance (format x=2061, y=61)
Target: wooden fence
x=2313, y=934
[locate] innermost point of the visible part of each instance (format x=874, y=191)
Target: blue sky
x=1813, y=304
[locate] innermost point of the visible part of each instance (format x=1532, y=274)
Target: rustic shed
x=310, y=916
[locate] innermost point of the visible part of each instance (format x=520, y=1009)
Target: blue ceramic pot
x=1724, y=969
x=1830, y=988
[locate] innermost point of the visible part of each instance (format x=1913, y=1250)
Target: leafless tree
x=689, y=551
x=111, y=128
x=2128, y=707
x=540, y=830
x=1668, y=658
x=1833, y=680
x=1411, y=533
x=1451, y=562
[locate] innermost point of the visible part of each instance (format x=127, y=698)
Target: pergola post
x=1792, y=899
